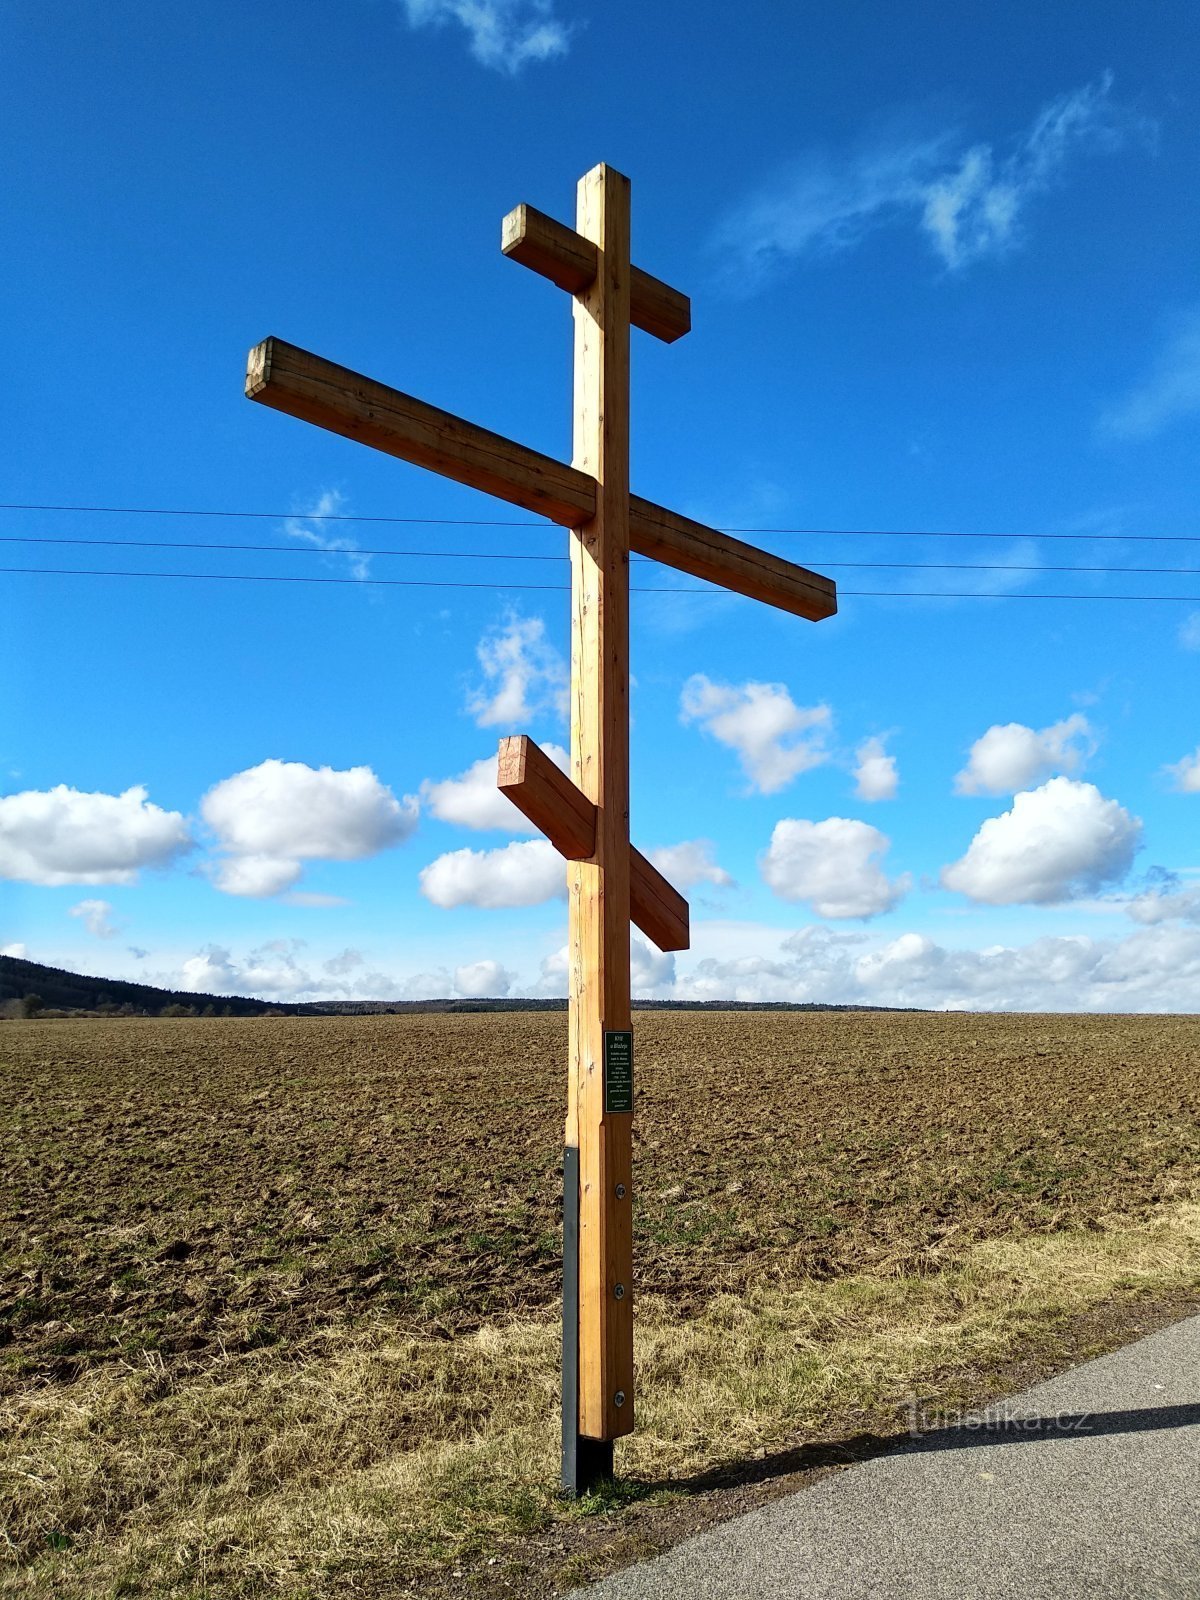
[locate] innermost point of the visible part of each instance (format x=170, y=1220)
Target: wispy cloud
x=96, y=916
x=1169, y=390
x=967, y=199
x=309, y=528
x=524, y=674
x=502, y=34
x=1189, y=631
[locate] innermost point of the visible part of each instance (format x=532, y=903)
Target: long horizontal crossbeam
x=556, y=807
x=303, y=385
x=569, y=260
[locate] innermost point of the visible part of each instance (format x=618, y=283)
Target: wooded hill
x=77, y=993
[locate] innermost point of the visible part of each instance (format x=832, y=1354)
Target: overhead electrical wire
x=436, y=583
x=479, y=522
x=510, y=556
x=507, y=555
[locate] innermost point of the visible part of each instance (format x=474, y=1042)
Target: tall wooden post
x=599, y=886
x=588, y=818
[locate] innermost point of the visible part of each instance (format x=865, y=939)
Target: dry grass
x=362, y=1465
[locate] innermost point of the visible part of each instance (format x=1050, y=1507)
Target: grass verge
x=372, y=1463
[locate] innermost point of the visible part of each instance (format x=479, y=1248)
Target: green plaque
x=618, y=1069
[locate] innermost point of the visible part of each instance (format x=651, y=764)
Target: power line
x=506, y=555
x=275, y=549
x=287, y=516
x=481, y=522
x=276, y=577
x=563, y=588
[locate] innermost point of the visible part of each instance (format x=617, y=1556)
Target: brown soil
x=189, y=1186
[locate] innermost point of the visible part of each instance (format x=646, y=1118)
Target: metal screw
x=619, y=1398
x=620, y=1191
x=618, y=1291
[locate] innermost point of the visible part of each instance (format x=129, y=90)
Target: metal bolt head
x=618, y=1291
x=620, y=1191
x=619, y=1398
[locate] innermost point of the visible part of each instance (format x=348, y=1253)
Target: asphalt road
x=1087, y=1486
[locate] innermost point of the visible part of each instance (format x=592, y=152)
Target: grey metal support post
x=585, y=1462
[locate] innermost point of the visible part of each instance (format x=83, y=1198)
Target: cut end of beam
x=258, y=368
x=303, y=385
x=542, y=792
x=568, y=259
x=544, y=246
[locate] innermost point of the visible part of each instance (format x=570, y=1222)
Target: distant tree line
x=50, y=991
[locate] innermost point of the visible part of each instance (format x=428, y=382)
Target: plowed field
x=194, y=1187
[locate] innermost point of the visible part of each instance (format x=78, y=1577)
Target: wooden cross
x=586, y=816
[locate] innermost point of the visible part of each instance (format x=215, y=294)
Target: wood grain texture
x=559, y=253
x=721, y=559
x=656, y=906
x=598, y=934
x=304, y=385
x=289, y=379
x=544, y=794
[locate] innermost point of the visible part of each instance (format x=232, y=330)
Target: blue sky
x=943, y=271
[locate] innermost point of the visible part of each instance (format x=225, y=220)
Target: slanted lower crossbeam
x=544, y=794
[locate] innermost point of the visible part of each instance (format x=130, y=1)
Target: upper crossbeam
x=304, y=385
x=569, y=260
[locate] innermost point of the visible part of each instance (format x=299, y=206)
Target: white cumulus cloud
x=503, y=34
x=834, y=865
x=1185, y=774
x=277, y=971
x=519, y=874
x=17, y=950
x=483, y=980
x=651, y=971
x=1010, y=756
x=554, y=973
x=1058, y=842
x=690, y=862
x=774, y=738
x=255, y=877
x=61, y=835
x=271, y=818
x=472, y=800
x=524, y=675
x=875, y=773
x=1154, y=969
x=969, y=200
x=96, y=916
x=271, y=972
